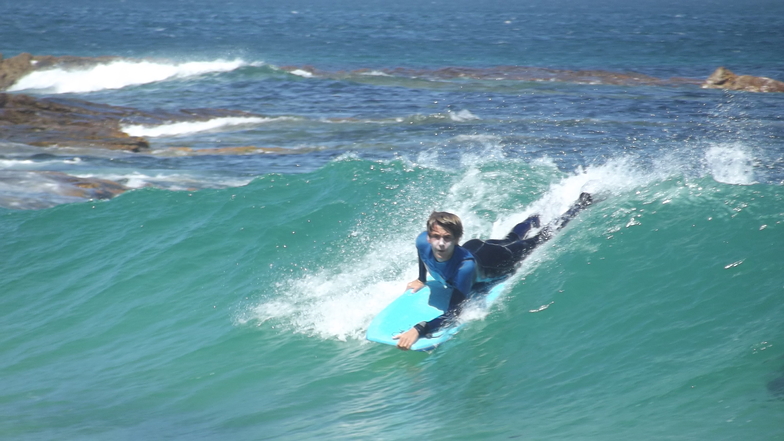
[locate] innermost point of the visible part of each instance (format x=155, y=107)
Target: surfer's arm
x=408, y=338
x=419, y=283
x=415, y=285
x=456, y=303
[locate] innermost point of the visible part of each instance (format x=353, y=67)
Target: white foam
x=15, y=163
x=302, y=73
x=463, y=116
x=118, y=74
x=337, y=303
x=375, y=73
x=481, y=139
x=188, y=127
x=730, y=164
x=169, y=181
x=29, y=164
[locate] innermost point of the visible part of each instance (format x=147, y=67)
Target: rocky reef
x=723, y=78
x=65, y=123
x=50, y=122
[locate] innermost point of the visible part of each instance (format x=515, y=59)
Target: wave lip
x=118, y=74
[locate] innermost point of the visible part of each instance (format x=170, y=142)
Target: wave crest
x=119, y=74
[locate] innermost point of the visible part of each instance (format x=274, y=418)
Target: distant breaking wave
x=188, y=127
x=119, y=74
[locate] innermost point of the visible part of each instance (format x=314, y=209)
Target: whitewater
x=117, y=75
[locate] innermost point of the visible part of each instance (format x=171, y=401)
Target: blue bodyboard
x=423, y=305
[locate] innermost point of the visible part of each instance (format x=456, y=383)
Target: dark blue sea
x=226, y=294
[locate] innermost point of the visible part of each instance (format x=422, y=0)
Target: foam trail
x=117, y=75
x=188, y=127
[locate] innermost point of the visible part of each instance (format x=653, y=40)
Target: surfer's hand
x=406, y=339
x=415, y=285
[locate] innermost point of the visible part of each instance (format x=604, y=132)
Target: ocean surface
x=226, y=296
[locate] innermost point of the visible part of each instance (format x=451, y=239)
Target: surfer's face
x=442, y=242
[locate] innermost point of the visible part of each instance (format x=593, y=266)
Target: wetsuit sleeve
x=463, y=284
x=422, y=270
x=456, y=303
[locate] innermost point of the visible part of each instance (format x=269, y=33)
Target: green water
x=240, y=313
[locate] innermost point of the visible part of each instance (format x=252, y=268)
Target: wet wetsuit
x=483, y=261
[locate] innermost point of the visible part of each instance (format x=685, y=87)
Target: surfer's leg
x=520, y=230
x=494, y=259
x=516, y=247
x=498, y=258
x=548, y=231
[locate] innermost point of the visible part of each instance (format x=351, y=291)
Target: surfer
x=476, y=262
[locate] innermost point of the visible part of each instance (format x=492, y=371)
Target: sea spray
x=730, y=164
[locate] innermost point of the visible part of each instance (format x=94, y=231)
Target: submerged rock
x=723, y=78
x=86, y=188
x=243, y=150
x=508, y=73
x=37, y=189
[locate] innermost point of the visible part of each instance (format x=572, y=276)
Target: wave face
x=157, y=308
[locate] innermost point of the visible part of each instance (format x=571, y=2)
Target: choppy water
x=226, y=296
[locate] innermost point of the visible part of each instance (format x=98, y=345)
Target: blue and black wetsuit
x=484, y=261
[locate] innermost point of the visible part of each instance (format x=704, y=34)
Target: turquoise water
x=226, y=296
x=240, y=312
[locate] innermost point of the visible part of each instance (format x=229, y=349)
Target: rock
x=510, y=73
x=35, y=189
x=14, y=68
x=724, y=79
x=86, y=188
x=65, y=123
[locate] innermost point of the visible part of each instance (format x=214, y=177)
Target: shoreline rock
x=723, y=78
x=67, y=122
x=46, y=122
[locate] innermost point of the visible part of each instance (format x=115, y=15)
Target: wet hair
x=448, y=221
